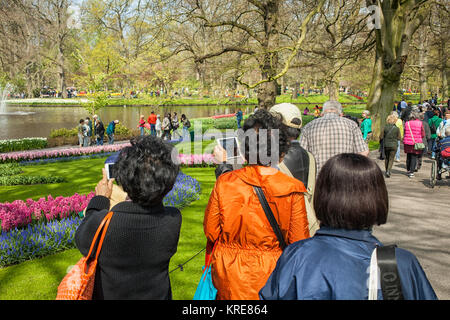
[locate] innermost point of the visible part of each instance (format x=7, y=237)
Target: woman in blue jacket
x=350, y=198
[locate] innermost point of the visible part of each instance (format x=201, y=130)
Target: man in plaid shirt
x=332, y=134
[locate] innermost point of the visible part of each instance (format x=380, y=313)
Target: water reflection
x=28, y=121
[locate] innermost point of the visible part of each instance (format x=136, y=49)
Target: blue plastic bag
x=205, y=289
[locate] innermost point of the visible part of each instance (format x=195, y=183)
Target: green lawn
x=38, y=279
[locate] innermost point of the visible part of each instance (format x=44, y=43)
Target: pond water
x=31, y=121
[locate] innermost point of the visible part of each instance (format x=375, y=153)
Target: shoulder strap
x=409, y=125
x=389, y=277
x=103, y=227
x=270, y=217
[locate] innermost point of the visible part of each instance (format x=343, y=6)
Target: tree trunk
x=398, y=22
x=423, y=83
x=267, y=93
x=333, y=90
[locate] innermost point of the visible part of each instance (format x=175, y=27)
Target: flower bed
x=22, y=213
x=67, y=152
x=34, y=229
x=22, y=144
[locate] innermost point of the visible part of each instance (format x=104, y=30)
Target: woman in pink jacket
x=414, y=133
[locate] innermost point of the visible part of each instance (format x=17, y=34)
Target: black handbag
x=273, y=222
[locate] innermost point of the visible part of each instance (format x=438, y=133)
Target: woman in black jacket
x=143, y=234
x=390, y=135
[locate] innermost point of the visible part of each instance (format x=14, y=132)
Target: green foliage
x=22, y=144
x=27, y=180
x=9, y=169
x=63, y=132
x=98, y=101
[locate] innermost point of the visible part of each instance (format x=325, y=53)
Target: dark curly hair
x=145, y=170
x=266, y=132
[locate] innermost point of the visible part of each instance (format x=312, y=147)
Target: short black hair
x=81, y=120
x=351, y=193
x=263, y=119
x=145, y=170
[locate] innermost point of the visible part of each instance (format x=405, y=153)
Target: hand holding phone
x=230, y=146
x=104, y=186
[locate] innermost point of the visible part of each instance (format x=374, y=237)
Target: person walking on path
x=99, y=132
x=86, y=133
x=152, y=118
x=440, y=132
x=335, y=263
x=391, y=136
x=332, y=134
x=414, y=133
x=247, y=248
x=80, y=132
x=141, y=125
x=186, y=125
x=426, y=127
x=239, y=117
x=175, y=125
x=399, y=124
x=366, y=126
x=166, y=126
x=434, y=124
x=111, y=130
x=158, y=126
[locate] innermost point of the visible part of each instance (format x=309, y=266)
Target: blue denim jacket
x=334, y=265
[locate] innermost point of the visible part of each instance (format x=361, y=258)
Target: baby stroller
x=440, y=165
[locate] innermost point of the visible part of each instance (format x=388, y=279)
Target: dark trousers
x=389, y=158
x=411, y=162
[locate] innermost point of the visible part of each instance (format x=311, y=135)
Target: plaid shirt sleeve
x=359, y=144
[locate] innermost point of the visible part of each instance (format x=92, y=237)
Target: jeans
x=142, y=130
x=397, y=155
x=86, y=141
x=100, y=140
x=239, y=123
x=152, y=130
x=433, y=146
x=186, y=136
x=389, y=160
x=411, y=162
x=111, y=138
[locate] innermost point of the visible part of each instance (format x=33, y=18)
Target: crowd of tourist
x=93, y=132
x=165, y=128
x=323, y=191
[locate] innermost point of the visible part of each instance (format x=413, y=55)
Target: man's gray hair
x=332, y=106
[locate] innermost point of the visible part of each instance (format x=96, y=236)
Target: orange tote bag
x=78, y=284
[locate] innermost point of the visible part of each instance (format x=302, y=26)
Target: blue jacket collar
x=360, y=235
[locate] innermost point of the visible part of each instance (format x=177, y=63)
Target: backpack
x=433, y=127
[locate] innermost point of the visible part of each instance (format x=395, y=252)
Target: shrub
x=64, y=132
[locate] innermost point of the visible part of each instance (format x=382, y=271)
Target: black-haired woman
x=350, y=198
x=143, y=233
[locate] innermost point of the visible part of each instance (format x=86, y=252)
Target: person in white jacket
x=158, y=126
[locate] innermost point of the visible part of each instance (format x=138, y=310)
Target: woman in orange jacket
x=248, y=249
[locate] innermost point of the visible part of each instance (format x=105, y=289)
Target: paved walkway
x=419, y=220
